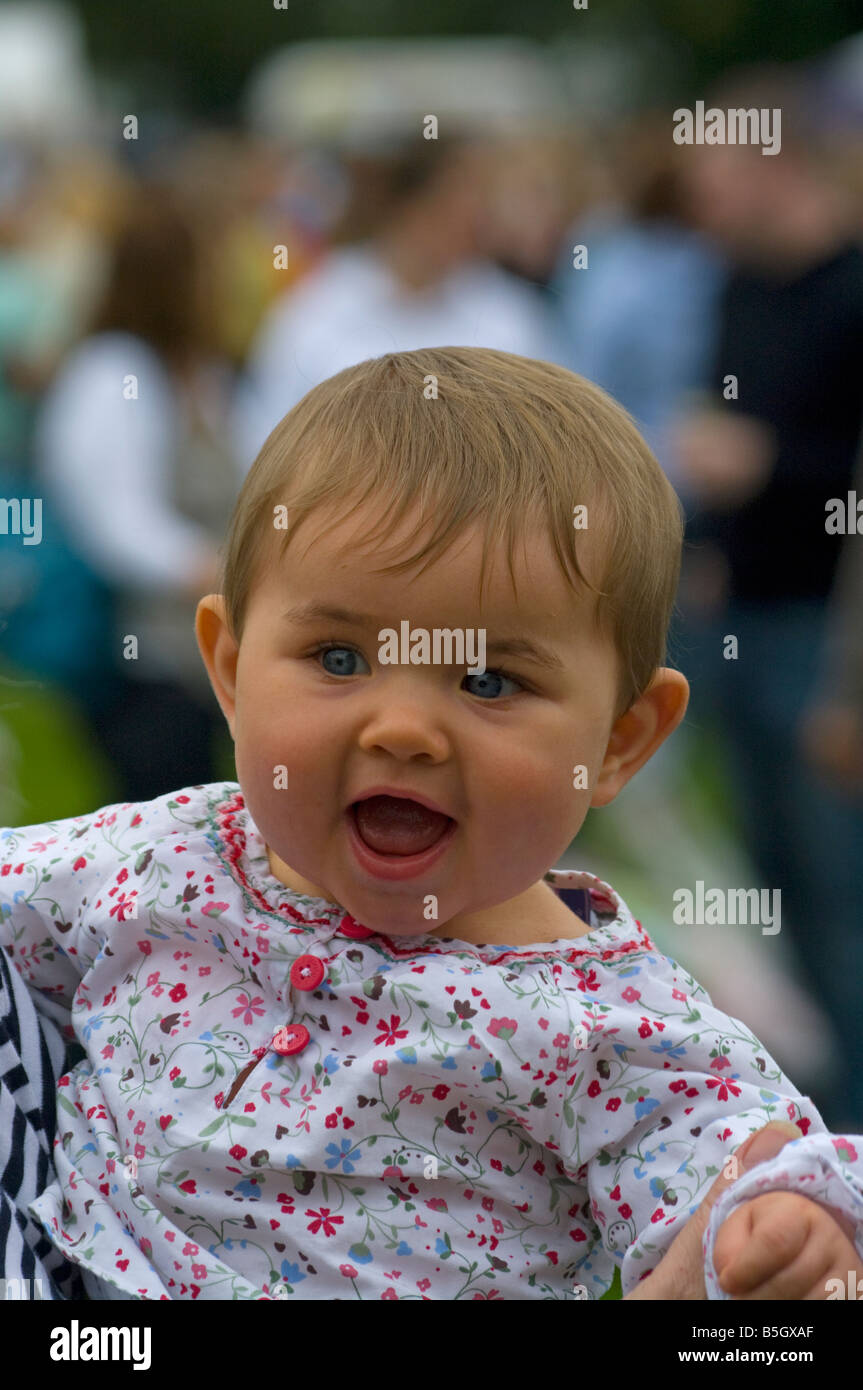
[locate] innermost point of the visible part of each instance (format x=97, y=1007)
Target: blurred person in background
x=640, y=317
x=39, y=307
x=412, y=270
x=131, y=454
x=535, y=184
x=254, y=196
x=831, y=728
x=762, y=564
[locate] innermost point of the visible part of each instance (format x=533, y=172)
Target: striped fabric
x=32, y=1057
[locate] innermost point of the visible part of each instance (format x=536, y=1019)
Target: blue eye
x=488, y=683
x=341, y=652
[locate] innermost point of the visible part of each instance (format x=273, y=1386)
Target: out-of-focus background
x=203, y=213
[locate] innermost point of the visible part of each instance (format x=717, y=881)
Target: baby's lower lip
x=396, y=866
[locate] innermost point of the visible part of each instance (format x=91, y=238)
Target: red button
x=348, y=927
x=291, y=1039
x=307, y=972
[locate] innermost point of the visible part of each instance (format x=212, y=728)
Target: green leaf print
x=212, y=1126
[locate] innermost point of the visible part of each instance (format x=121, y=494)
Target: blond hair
x=476, y=435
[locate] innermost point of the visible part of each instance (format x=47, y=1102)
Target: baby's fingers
x=755, y=1244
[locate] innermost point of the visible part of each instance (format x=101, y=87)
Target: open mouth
x=398, y=826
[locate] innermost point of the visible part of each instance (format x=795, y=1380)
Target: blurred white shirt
x=351, y=308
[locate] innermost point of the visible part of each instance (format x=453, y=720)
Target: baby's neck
x=532, y=918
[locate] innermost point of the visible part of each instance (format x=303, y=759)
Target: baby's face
x=496, y=753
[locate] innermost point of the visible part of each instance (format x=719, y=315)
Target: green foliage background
x=196, y=56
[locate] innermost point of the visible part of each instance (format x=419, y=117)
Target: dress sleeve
x=666, y=1089
x=62, y=885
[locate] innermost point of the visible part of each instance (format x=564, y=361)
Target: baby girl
x=344, y=1036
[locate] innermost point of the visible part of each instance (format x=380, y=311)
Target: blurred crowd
x=159, y=317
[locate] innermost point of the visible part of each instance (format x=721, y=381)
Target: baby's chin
x=387, y=922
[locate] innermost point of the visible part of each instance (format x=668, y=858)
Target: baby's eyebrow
x=524, y=647
x=317, y=612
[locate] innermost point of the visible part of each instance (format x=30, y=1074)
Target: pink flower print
x=722, y=1087
x=423, y=1285
x=238, y=1152
x=153, y=979
x=145, y=947
x=562, y=1039
x=348, y=1271
x=323, y=1219
x=173, y=1073
x=380, y=1066
x=199, y=1271
x=108, y=1051
x=177, y=993
x=391, y=1031
x=678, y=994
x=631, y=995
x=124, y=906
x=719, y=1063
x=248, y=1007
x=440, y=1092
x=587, y=980
x=844, y=1148
x=502, y=1028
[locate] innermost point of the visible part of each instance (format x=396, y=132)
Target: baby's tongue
x=394, y=825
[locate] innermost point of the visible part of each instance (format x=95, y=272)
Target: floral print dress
x=278, y=1103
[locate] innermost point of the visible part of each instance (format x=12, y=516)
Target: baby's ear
x=638, y=733
x=219, y=652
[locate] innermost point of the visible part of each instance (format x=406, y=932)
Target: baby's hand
x=783, y=1246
